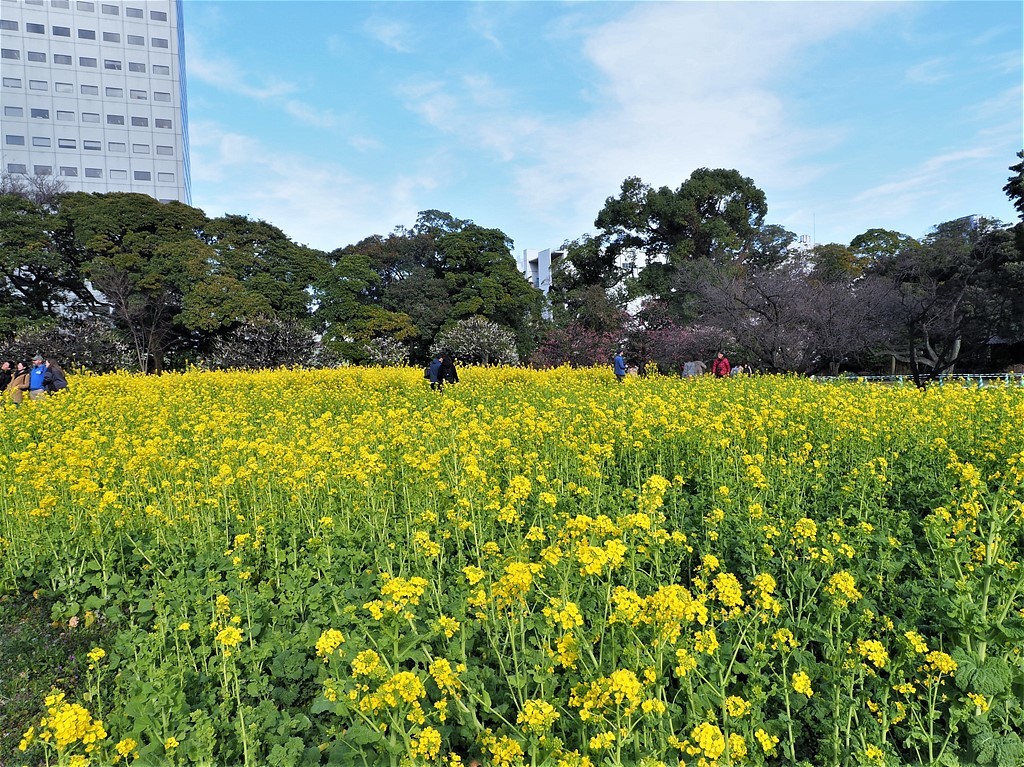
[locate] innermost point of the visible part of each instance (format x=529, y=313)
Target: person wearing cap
x=37, y=379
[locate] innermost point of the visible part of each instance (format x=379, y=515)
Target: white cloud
x=390, y=33
x=238, y=174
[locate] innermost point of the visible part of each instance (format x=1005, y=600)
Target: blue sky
x=338, y=120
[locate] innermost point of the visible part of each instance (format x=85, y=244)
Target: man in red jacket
x=720, y=367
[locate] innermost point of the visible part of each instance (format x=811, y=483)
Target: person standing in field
x=19, y=383
x=37, y=379
x=54, y=380
x=448, y=372
x=619, y=366
x=720, y=367
x=434, y=374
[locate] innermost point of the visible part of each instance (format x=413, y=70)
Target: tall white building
x=536, y=266
x=93, y=94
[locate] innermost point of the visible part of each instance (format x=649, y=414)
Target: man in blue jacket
x=37, y=379
x=619, y=366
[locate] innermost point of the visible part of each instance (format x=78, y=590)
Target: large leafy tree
x=713, y=214
x=940, y=286
x=136, y=253
x=248, y=268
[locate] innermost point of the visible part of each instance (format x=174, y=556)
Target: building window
x=67, y=143
x=115, y=92
x=11, y=25
x=90, y=90
x=42, y=170
x=136, y=66
x=33, y=2
x=136, y=40
x=63, y=88
x=36, y=56
x=115, y=119
x=86, y=61
x=84, y=6
x=62, y=31
x=87, y=34
x=162, y=123
x=38, y=85
x=111, y=37
x=16, y=167
x=167, y=178
x=110, y=10
x=60, y=3
x=112, y=64
x=116, y=146
x=158, y=15
x=90, y=117
x=61, y=58
x=12, y=82
x=161, y=96
x=64, y=115
x=161, y=69
x=143, y=175
x=140, y=148
x=138, y=95
x=165, y=150
x=38, y=29
x=158, y=42
x=118, y=175
x=40, y=114
x=94, y=173
x=92, y=146
x=140, y=122
x=133, y=13
x=40, y=141
x=10, y=53
x=12, y=140
x=14, y=112
x=66, y=171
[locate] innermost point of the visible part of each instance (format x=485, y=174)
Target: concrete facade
x=93, y=94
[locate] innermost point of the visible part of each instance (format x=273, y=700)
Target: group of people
x=440, y=371
x=720, y=367
x=37, y=380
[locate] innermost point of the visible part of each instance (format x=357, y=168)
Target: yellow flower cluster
x=65, y=725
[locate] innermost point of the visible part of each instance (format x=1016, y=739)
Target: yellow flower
x=537, y=716
x=802, y=683
x=940, y=662
x=96, y=654
x=171, y=743
x=737, y=707
x=768, y=742
x=329, y=641
x=184, y=626
x=979, y=701
x=874, y=651
x=426, y=745
x=230, y=636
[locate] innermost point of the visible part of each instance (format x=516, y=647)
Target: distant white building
x=93, y=94
x=536, y=266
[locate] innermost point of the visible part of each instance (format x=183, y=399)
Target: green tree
x=713, y=214
x=136, y=253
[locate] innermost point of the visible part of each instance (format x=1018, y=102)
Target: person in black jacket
x=54, y=379
x=448, y=373
x=6, y=373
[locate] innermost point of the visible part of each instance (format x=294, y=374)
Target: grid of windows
x=78, y=41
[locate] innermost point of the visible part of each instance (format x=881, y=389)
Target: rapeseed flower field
x=548, y=568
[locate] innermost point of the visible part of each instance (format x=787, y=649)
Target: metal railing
x=978, y=380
